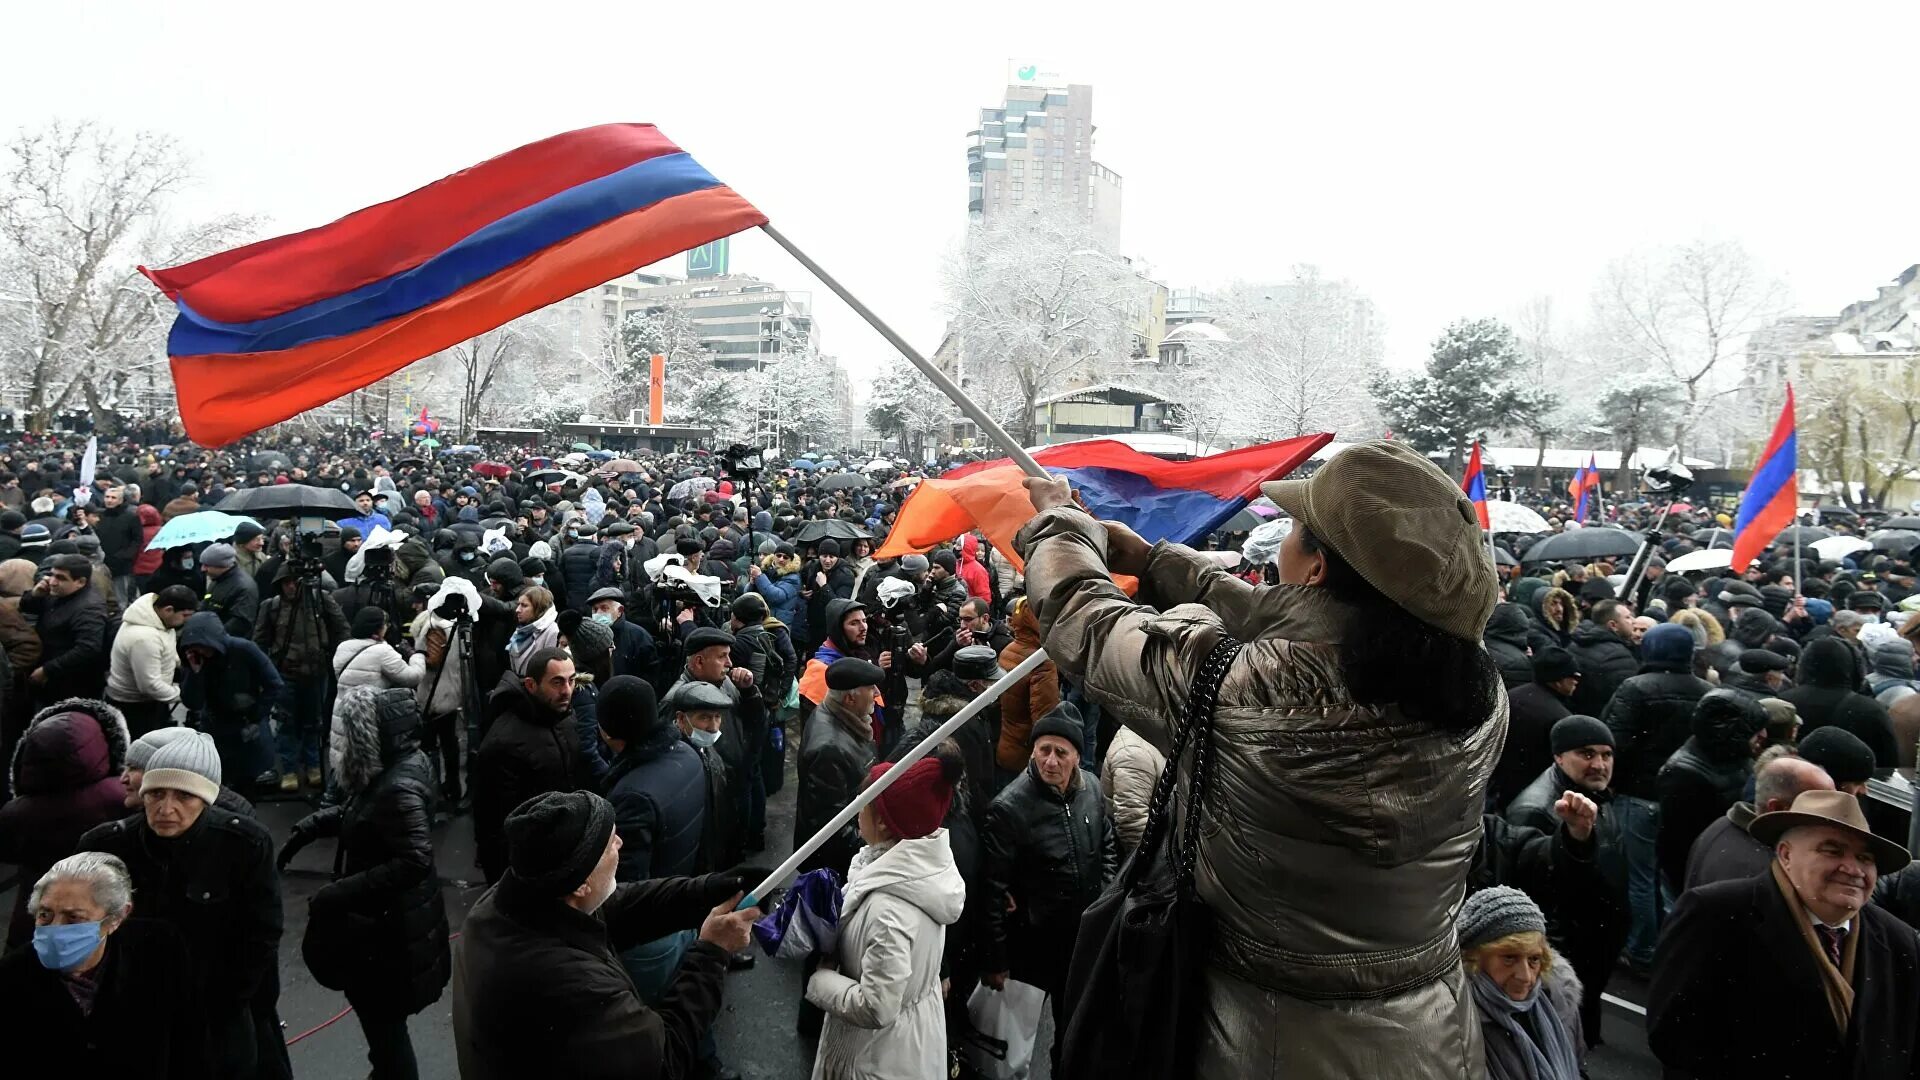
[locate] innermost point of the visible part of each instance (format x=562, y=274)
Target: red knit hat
x=915, y=805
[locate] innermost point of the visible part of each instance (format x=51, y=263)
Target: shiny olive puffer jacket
x=1337, y=837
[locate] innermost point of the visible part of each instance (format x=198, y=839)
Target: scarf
x=1520, y=1057
x=518, y=641
x=1837, y=982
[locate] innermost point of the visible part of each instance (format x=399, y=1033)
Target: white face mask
x=702, y=738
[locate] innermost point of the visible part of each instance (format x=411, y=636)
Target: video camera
x=742, y=462
x=307, y=556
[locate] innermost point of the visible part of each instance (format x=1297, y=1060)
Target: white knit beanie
x=144, y=747
x=189, y=765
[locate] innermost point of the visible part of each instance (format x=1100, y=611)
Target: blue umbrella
x=603, y=455
x=802, y=463
x=830, y=463
x=203, y=527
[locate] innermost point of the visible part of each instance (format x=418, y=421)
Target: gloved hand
x=740, y=879
x=301, y=836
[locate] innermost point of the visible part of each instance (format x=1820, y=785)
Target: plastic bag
x=1005, y=1025
x=807, y=920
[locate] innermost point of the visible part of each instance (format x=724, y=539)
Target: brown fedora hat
x=1834, y=809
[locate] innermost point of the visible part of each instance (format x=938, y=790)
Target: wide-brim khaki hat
x=1404, y=527
x=1834, y=810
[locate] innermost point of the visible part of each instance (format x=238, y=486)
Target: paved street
x=756, y=1031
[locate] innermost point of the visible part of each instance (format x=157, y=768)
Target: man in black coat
x=1650, y=717
x=531, y=748
x=836, y=749
x=210, y=873
x=1706, y=775
x=656, y=783
x=1532, y=710
x=1607, y=648
x=538, y=989
x=823, y=579
x=633, y=650
x=1792, y=972
x=1592, y=932
x=120, y=540
x=1827, y=693
x=1726, y=851
x=231, y=592
x=1049, y=848
x=72, y=624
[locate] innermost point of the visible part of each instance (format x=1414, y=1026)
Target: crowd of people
x=1449, y=800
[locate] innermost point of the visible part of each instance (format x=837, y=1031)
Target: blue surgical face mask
x=702, y=738
x=65, y=946
x=538, y=581
x=603, y=618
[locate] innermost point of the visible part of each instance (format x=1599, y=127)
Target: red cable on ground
x=337, y=1017
x=312, y=1031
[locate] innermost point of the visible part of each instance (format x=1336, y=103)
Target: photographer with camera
x=374, y=586
x=299, y=628
x=449, y=696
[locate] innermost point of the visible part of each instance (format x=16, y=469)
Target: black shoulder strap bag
x=1133, y=992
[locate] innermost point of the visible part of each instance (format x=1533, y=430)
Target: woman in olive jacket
x=1352, y=741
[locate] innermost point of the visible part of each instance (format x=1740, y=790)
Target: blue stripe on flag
x=1768, y=481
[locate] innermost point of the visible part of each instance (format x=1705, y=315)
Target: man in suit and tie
x=1792, y=973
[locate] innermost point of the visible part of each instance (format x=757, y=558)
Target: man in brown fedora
x=1792, y=972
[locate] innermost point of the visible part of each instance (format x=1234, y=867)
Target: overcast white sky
x=1450, y=159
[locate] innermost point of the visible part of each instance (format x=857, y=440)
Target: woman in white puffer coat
x=881, y=990
x=366, y=659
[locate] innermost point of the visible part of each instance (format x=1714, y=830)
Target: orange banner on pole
x=657, y=391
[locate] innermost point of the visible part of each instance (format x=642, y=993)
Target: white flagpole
x=1020, y=457
x=849, y=811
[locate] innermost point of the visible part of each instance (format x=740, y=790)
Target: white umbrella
x=876, y=465
x=1511, y=517
x=1709, y=559
x=1839, y=547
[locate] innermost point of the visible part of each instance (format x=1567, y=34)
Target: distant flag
x=1768, y=504
x=277, y=327
x=1584, y=483
x=425, y=425
x=1180, y=501
x=1475, y=485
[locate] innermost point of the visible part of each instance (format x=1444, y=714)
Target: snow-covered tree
x=903, y=404
x=80, y=208
x=1038, y=306
x=1297, y=358
x=523, y=367
x=797, y=391
x=1686, y=311
x=1638, y=409
x=1471, y=386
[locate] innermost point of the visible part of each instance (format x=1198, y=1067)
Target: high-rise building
x=742, y=320
x=1036, y=149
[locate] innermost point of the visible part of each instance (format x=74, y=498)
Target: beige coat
x=1127, y=775
x=1337, y=837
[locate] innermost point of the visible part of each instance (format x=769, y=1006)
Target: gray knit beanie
x=143, y=747
x=1494, y=913
x=189, y=765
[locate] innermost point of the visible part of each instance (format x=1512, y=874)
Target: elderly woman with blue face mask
x=99, y=993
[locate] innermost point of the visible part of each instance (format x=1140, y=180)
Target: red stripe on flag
x=225, y=397
x=287, y=272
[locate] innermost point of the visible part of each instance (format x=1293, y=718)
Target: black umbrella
x=1837, y=511
x=1807, y=534
x=288, y=501
x=410, y=463
x=1244, y=521
x=268, y=461
x=1503, y=557
x=1714, y=538
x=1590, y=543
x=1903, y=521
x=839, y=481
x=1898, y=541
x=815, y=531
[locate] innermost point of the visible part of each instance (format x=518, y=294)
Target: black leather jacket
x=1706, y=775
x=1650, y=717
x=1054, y=852
x=1533, y=808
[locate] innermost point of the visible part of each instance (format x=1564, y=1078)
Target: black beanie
x=1063, y=720
x=1843, y=754
x=945, y=560
x=368, y=621
x=627, y=708
x=828, y=547
x=1576, y=731
x=555, y=840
